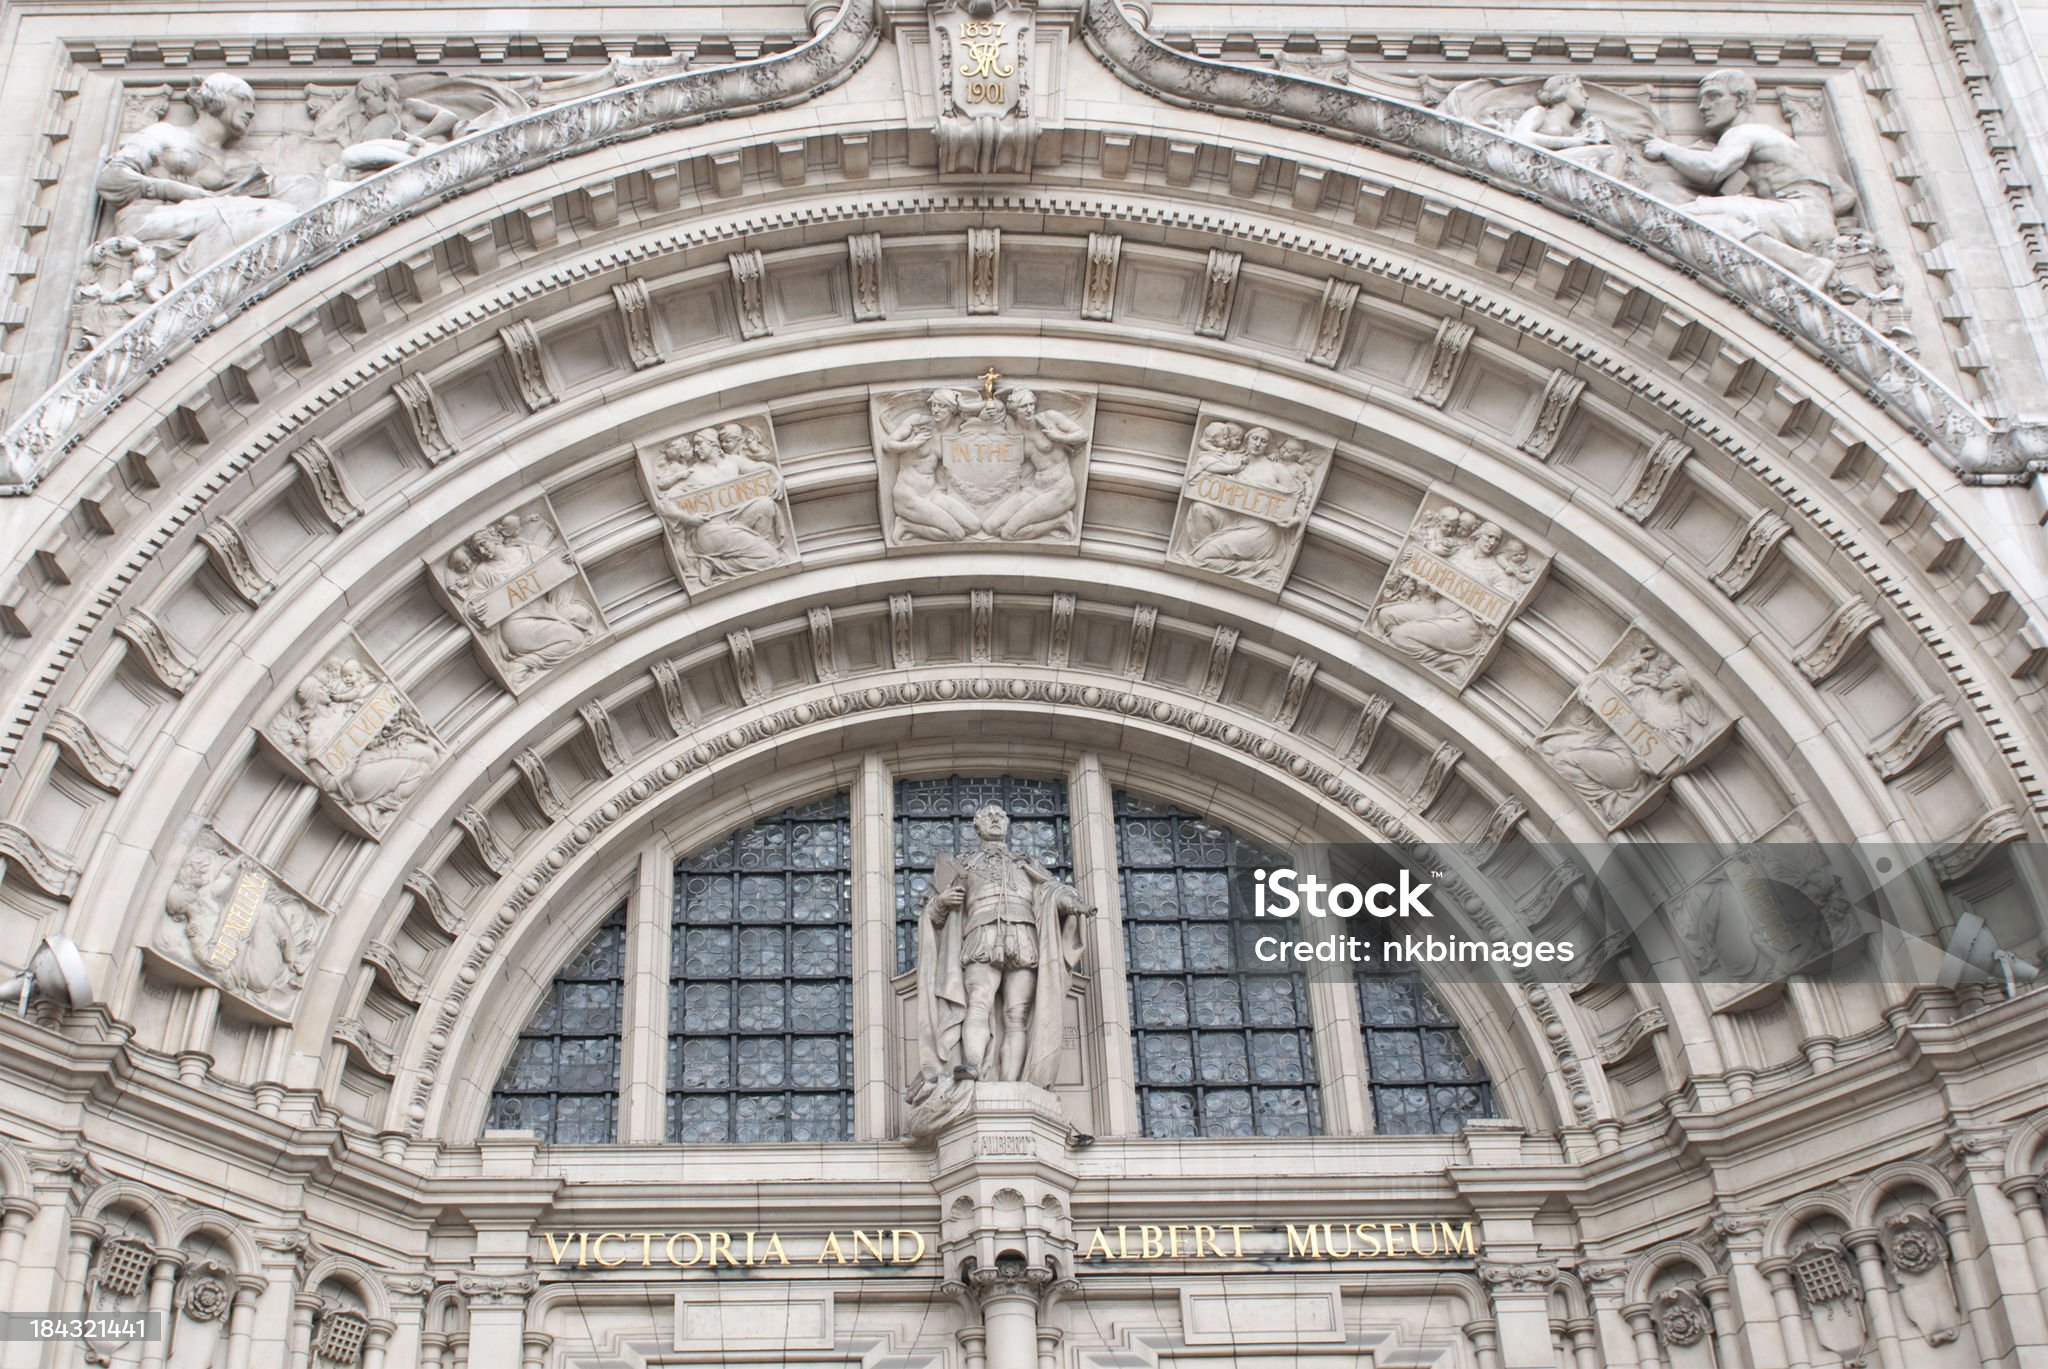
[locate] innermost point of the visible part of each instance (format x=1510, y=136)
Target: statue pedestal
x=1005, y=1183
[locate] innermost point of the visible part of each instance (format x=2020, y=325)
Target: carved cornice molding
x=1963, y=438
x=71, y=408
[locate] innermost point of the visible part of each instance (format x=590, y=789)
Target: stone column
x=1585, y=1346
x=162, y=1280
x=1049, y=1338
x=1485, y=1343
x=1741, y=1237
x=973, y=1346
x=1520, y=1294
x=2024, y=1193
x=77, y=1262
x=2016, y=1257
x=376, y=1340
x=433, y=1350
x=1877, y=1297
x=1009, y=1295
x=300, y=1347
x=535, y=1355
x=497, y=1316
x=1643, y=1326
x=1726, y=1338
x=242, y=1320
x=1604, y=1284
x=15, y=1215
x=1785, y=1299
x=1954, y=1215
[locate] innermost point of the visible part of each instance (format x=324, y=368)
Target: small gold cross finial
x=988, y=381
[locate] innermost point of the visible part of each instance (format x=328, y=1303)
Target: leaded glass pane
x=760, y=997
x=1222, y=1042
x=1426, y=1078
x=562, y=1080
x=936, y=817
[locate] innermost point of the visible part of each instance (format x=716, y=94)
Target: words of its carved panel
x=352, y=733
x=1638, y=719
x=232, y=922
x=1454, y=586
x=1245, y=502
x=521, y=594
x=722, y=504
x=999, y=463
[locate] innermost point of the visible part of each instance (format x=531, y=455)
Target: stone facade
x=455, y=479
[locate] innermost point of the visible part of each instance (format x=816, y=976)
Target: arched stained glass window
x=1222, y=1042
x=562, y=1081
x=760, y=1044
x=1425, y=1078
x=935, y=817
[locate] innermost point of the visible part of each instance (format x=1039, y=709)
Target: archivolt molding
x=1825, y=520
x=1935, y=413
x=65, y=413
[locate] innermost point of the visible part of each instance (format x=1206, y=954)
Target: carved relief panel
x=1453, y=587
x=991, y=462
x=1638, y=719
x=232, y=922
x=522, y=595
x=1246, y=498
x=352, y=733
x=983, y=52
x=724, y=511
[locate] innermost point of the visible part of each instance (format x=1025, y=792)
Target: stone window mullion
x=874, y=950
x=1107, y=1050
x=644, y=1048
x=1340, y=1057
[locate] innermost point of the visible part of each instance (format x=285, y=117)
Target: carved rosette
x=1638, y=719
x=1246, y=498
x=232, y=922
x=988, y=461
x=514, y=583
x=349, y=731
x=723, y=506
x=1454, y=586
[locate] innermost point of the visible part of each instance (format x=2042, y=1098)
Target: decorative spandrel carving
x=983, y=51
x=722, y=503
x=1453, y=587
x=1597, y=126
x=352, y=733
x=232, y=922
x=186, y=192
x=1763, y=914
x=522, y=595
x=383, y=120
x=999, y=463
x=1756, y=183
x=1246, y=498
x=1638, y=719
x=120, y=277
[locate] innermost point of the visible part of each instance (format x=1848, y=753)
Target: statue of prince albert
x=997, y=940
